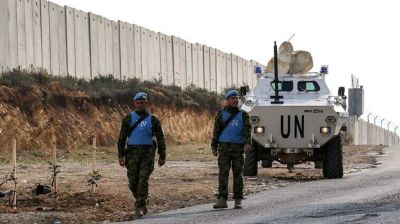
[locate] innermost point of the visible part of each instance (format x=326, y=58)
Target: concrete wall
x=366, y=133
x=67, y=41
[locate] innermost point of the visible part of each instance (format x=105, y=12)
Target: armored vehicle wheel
x=250, y=163
x=319, y=164
x=333, y=163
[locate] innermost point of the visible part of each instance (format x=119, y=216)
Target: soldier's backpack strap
x=226, y=123
x=137, y=123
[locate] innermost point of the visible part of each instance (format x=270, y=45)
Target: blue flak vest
x=143, y=133
x=233, y=133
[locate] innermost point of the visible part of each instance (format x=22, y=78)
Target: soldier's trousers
x=139, y=164
x=231, y=155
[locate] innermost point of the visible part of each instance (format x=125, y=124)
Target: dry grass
x=186, y=126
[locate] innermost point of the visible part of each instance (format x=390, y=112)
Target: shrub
x=106, y=88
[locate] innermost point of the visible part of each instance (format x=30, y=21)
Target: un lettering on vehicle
x=292, y=126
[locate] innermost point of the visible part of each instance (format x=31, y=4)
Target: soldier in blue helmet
x=231, y=138
x=137, y=131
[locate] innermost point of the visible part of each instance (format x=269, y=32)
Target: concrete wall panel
x=234, y=60
x=361, y=132
x=252, y=72
x=200, y=58
x=195, y=65
x=246, y=72
x=220, y=80
x=373, y=131
x=154, y=62
x=21, y=34
x=70, y=26
x=4, y=27
x=62, y=40
x=189, y=64
x=223, y=72
x=176, y=64
x=182, y=80
x=29, y=32
x=123, y=31
x=213, y=70
x=12, y=53
x=170, y=61
x=108, y=32
x=144, y=43
x=240, y=71
x=86, y=46
x=252, y=76
x=78, y=43
x=151, y=56
x=245, y=75
x=163, y=59
x=37, y=36
x=158, y=56
x=228, y=70
x=116, y=51
x=94, y=45
x=54, y=47
x=206, y=68
x=369, y=136
x=45, y=34
x=138, y=52
x=365, y=133
x=131, y=50
x=101, y=44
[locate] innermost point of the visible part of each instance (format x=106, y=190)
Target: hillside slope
x=32, y=103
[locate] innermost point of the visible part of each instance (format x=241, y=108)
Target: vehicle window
x=284, y=86
x=308, y=86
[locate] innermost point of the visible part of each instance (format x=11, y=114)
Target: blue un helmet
x=140, y=96
x=232, y=92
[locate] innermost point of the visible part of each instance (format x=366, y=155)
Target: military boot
x=138, y=212
x=238, y=203
x=145, y=209
x=221, y=203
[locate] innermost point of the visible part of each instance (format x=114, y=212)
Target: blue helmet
x=140, y=96
x=232, y=92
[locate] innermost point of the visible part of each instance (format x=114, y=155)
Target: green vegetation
x=104, y=89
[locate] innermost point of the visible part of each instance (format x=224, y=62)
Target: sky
x=351, y=37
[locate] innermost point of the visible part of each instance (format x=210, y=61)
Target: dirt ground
x=188, y=178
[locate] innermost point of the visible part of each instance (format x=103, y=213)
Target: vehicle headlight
x=259, y=130
x=254, y=119
x=248, y=103
x=325, y=130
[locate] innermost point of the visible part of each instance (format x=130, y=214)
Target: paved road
x=371, y=196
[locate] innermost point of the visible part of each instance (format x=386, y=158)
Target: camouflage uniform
x=139, y=160
x=230, y=155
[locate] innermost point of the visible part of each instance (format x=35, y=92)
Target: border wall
x=367, y=133
x=69, y=42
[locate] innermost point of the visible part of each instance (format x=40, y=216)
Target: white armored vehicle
x=295, y=119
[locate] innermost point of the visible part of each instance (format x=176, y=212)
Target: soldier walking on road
x=139, y=127
x=231, y=138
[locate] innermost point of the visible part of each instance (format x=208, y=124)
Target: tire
x=333, y=162
x=251, y=162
